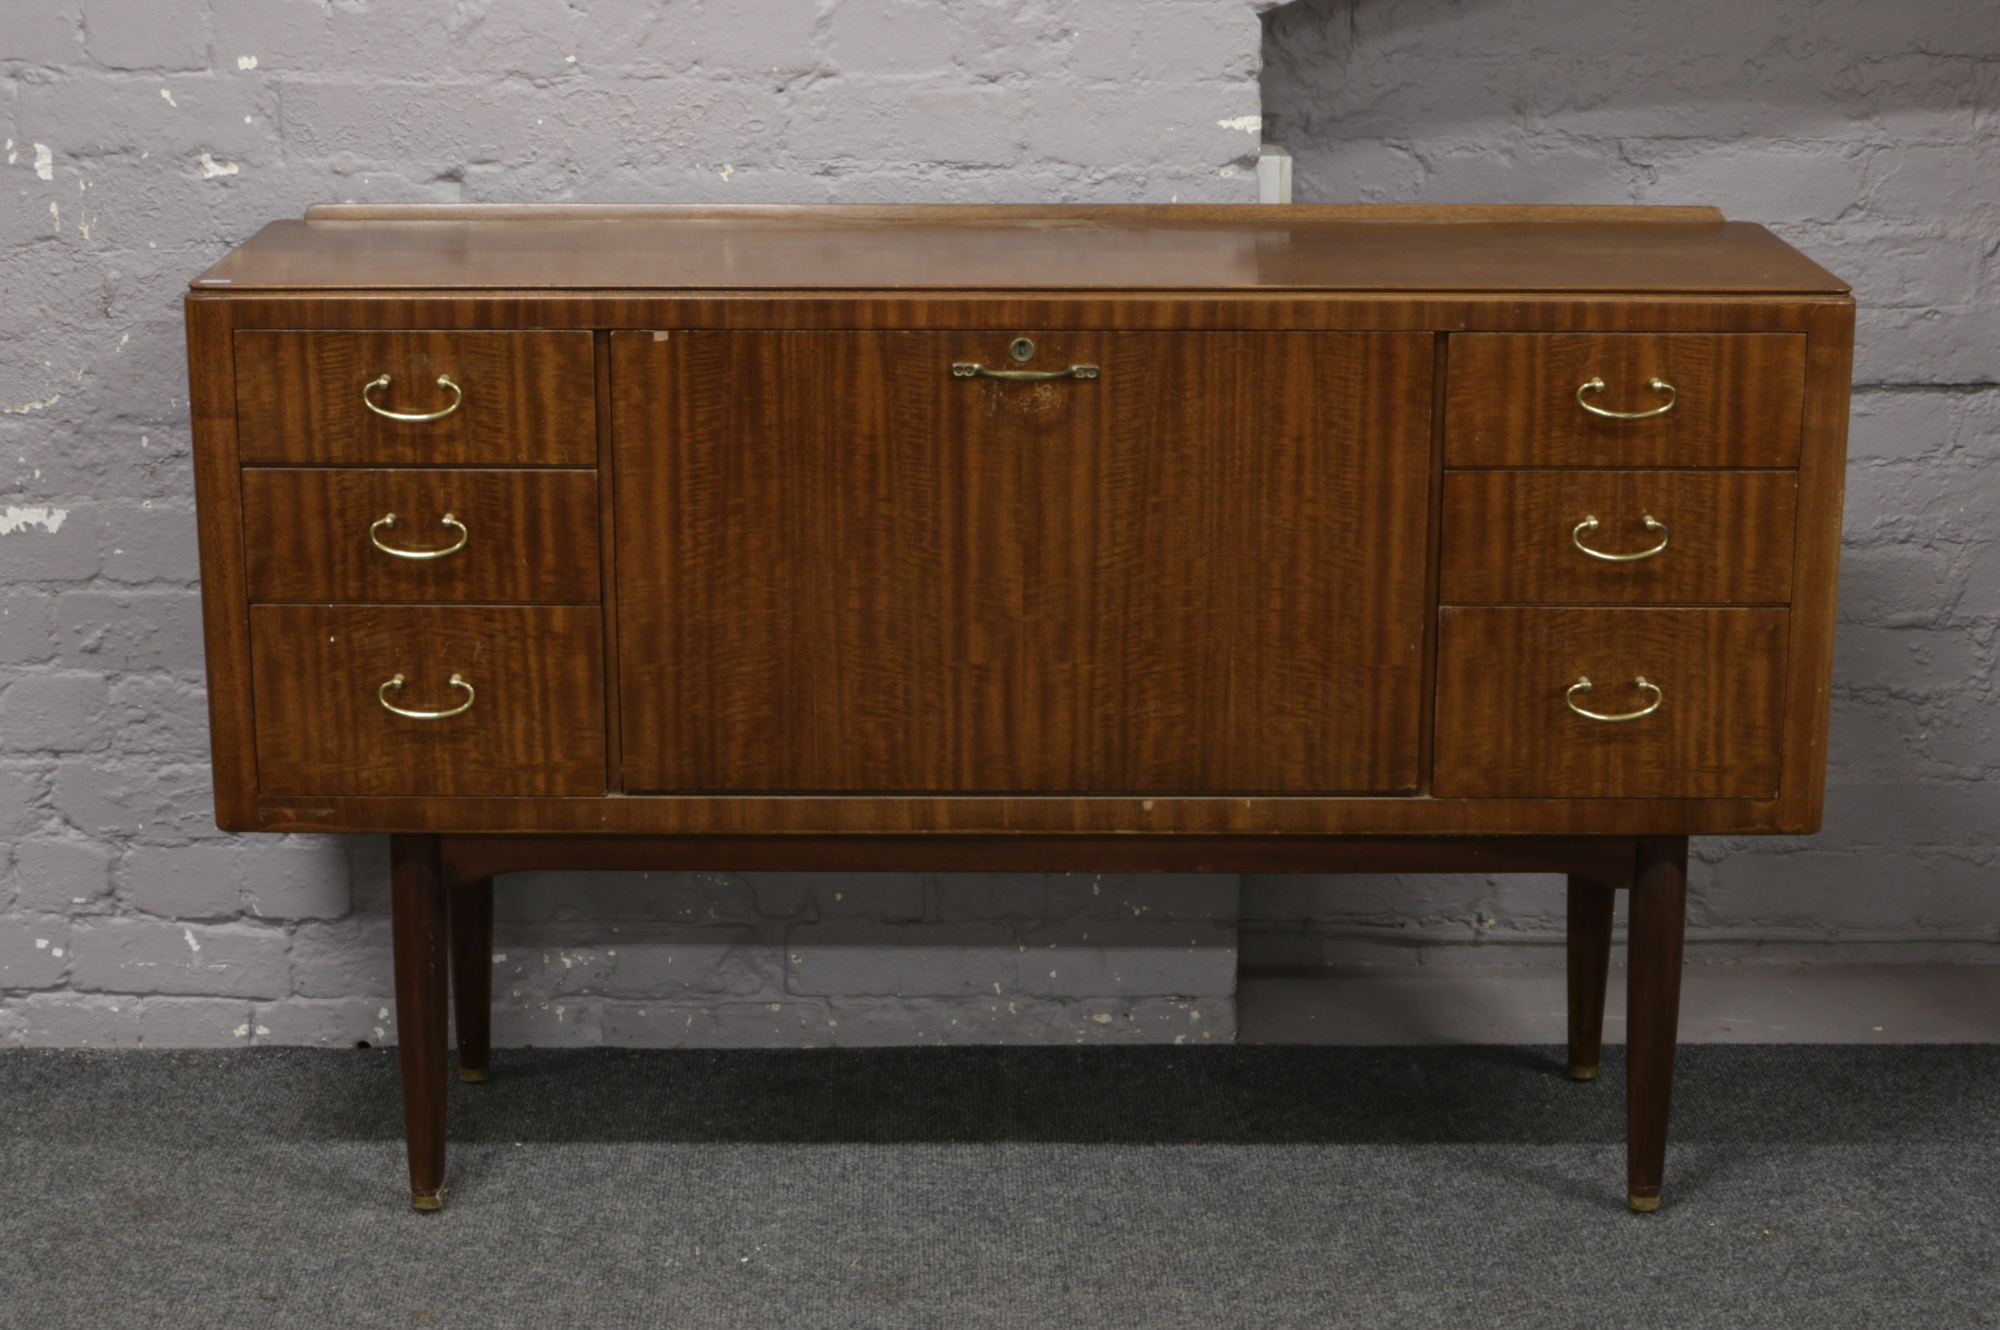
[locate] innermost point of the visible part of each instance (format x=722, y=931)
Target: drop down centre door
x=843, y=567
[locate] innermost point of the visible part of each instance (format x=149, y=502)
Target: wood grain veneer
x=1775, y=306
x=1505, y=729
x=1816, y=559
x=232, y=739
x=1200, y=571
x=536, y=726
x=962, y=309
x=1512, y=399
x=528, y=398
x=529, y=535
x=1021, y=248
x=783, y=817
x=1510, y=536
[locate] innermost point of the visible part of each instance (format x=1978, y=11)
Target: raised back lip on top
x=1548, y=214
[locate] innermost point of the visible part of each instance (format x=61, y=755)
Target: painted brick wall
x=143, y=137
x=1869, y=136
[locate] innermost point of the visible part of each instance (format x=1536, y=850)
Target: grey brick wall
x=142, y=137
x=1869, y=136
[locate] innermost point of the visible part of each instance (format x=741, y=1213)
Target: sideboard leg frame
x=472, y=975
x=417, y=886
x=1653, y=1003
x=1590, y=909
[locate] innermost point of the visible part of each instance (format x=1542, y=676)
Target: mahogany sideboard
x=1114, y=538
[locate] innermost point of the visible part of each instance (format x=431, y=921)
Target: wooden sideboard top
x=1248, y=248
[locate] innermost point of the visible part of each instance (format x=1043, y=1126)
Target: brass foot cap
x=1644, y=1205
x=1583, y=1073
x=473, y=1073
x=420, y=1201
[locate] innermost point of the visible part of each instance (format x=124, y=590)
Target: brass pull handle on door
x=1590, y=524
x=386, y=521
x=974, y=370
x=409, y=417
x=1596, y=385
x=457, y=681
x=1582, y=685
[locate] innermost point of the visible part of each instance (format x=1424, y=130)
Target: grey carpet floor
x=1153, y=1188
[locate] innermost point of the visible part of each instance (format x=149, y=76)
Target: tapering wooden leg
x=1590, y=909
x=417, y=885
x=1658, y=928
x=472, y=975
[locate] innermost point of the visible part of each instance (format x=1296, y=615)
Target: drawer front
x=1508, y=724
x=513, y=535
x=508, y=398
x=533, y=677
x=1523, y=537
x=1519, y=399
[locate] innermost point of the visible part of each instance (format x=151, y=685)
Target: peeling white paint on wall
x=45, y=162
x=1249, y=124
x=23, y=519
x=167, y=96
x=210, y=168
x=246, y=62
x=23, y=408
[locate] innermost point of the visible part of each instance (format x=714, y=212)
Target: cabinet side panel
x=1822, y=484
x=842, y=566
x=224, y=598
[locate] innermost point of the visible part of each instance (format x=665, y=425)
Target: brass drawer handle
x=457, y=681
x=1582, y=685
x=385, y=522
x=970, y=370
x=1597, y=386
x=413, y=418
x=1590, y=524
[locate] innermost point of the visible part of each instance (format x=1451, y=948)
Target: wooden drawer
x=1724, y=537
x=515, y=535
x=1512, y=399
x=535, y=724
x=516, y=398
x=1506, y=727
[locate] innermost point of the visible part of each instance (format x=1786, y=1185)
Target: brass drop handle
x=409, y=417
x=1582, y=685
x=388, y=520
x=1596, y=385
x=1590, y=524
x=974, y=370
x=457, y=681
